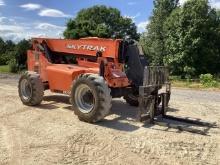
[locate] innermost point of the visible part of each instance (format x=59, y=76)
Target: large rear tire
x=30, y=89
x=132, y=100
x=90, y=97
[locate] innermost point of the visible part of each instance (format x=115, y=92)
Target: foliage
x=101, y=21
x=13, y=68
x=207, y=80
x=2, y=46
x=211, y=83
x=192, y=42
x=5, y=47
x=14, y=55
x=21, y=52
x=189, y=40
x=155, y=37
x=4, y=58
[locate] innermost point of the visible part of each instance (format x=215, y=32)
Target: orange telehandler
x=92, y=71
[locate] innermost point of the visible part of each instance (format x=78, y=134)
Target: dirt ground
x=52, y=134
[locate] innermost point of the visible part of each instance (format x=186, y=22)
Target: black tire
x=132, y=100
x=34, y=90
x=99, y=94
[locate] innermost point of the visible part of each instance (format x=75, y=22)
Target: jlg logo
x=86, y=47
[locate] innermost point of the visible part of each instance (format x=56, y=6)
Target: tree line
x=14, y=55
x=101, y=21
x=185, y=38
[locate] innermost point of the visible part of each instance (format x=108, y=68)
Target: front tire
x=30, y=89
x=90, y=97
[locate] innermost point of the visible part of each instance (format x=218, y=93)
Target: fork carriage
x=155, y=93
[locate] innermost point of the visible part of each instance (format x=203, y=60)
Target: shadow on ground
x=57, y=99
x=124, y=117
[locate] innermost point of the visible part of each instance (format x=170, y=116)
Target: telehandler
x=92, y=71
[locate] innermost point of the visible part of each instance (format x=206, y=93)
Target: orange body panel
x=115, y=77
x=88, y=64
x=30, y=60
x=37, y=62
x=60, y=76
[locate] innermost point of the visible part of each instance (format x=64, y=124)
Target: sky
x=47, y=18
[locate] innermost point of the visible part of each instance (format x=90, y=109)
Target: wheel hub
x=26, y=89
x=84, y=98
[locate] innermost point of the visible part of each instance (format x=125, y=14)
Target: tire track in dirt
x=4, y=147
x=10, y=146
x=87, y=147
x=160, y=150
x=13, y=113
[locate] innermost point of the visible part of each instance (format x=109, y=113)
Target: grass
x=4, y=69
x=193, y=85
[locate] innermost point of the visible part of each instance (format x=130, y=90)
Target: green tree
x=5, y=49
x=14, y=55
x=21, y=53
x=9, y=45
x=218, y=13
x=2, y=52
x=2, y=46
x=154, y=39
x=193, y=39
x=101, y=21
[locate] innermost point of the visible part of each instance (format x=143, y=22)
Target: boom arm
x=87, y=46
